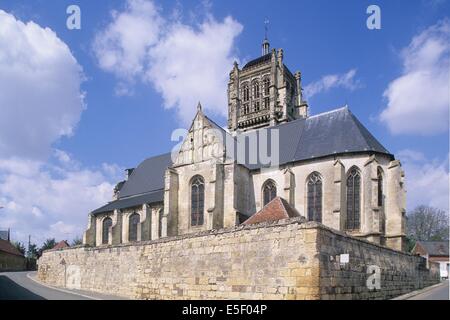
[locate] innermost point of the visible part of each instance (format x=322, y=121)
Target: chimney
x=129, y=172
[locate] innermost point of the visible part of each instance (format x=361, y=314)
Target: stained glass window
x=315, y=197
x=133, y=223
x=353, y=199
x=197, y=201
x=269, y=192
x=107, y=223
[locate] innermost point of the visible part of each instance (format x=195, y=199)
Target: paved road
x=17, y=286
x=438, y=293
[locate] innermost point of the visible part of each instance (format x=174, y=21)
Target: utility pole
x=29, y=243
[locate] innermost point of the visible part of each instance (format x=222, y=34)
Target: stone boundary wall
x=288, y=259
x=398, y=272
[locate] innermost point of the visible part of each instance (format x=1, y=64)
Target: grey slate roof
x=331, y=133
x=150, y=197
x=435, y=248
x=258, y=60
x=4, y=235
x=148, y=176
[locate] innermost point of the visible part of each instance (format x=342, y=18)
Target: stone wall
x=282, y=260
x=399, y=272
x=11, y=262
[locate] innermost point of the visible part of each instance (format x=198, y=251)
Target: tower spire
x=266, y=45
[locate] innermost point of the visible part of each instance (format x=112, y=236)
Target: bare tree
x=428, y=224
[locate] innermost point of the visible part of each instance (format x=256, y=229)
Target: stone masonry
x=287, y=259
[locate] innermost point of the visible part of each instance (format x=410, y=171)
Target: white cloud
x=346, y=80
x=418, y=101
x=45, y=192
x=184, y=63
x=121, y=48
x=40, y=96
x=427, y=181
x=52, y=201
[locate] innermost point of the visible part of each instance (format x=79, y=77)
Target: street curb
x=417, y=292
x=58, y=289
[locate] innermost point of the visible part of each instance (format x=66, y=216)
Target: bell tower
x=264, y=92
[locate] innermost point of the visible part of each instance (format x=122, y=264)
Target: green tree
x=48, y=244
x=77, y=241
x=19, y=246
x=32, y=251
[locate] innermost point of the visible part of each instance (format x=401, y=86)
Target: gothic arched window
x=246, y=93
x=266, y=102
x=133, y=223
x=107, y=223
x=380, y=187
x=353, y=199
x=380, y=200
x=269, y=191
x=266, y=86
x=314, y=209
x=255, y=89
x=197, y=201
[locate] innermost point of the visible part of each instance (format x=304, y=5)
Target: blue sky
x=118, y=128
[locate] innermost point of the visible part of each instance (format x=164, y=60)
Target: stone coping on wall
x=301, y=221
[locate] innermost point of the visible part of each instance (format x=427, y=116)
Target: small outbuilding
x=434, y=251
x=11, y=259
x=61, y=245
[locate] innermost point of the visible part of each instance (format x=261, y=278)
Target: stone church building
x=328, y=167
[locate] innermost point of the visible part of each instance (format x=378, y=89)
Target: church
x=328, y=167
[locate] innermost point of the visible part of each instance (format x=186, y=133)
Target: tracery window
x=246, y=93
x=256, y=108
x=269, y=191
x=380, y=187
x=381, y=200
x=266, y=103
x=256, y=90
x=106, y=224
x=266, y=86
x=133, y=223
x=353, y=199
x=197, y=201
x=314, y=186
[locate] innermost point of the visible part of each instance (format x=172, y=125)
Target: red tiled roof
x=61, y=245
x=276, y=209
x=6, y=246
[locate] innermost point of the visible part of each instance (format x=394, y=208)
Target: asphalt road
x=17, y=286
x=438, y=293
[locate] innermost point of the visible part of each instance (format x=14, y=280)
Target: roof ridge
x=298, y=142
x=138, y=194
x=330, y=111
x=365, y=133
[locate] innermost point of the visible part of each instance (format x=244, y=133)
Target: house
x=11, y=259
x=61, y=245
x=5, y=235
x=434, y=251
